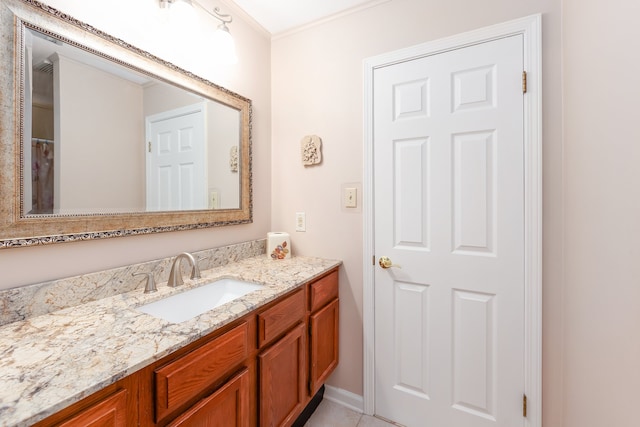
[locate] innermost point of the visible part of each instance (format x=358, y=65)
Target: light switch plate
x=350, y=197
x=213, y=199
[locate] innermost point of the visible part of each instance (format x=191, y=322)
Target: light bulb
x=183, y=9
x=225, y=46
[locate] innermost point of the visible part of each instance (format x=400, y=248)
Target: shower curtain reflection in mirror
x=41, y=83
x=42, y=164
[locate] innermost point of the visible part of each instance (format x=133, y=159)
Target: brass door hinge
x=524, y=82
x=524, y=405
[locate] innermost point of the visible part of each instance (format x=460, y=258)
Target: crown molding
x=240, y=13
x=321, y=21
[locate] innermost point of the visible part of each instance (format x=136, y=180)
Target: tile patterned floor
x=330, y=414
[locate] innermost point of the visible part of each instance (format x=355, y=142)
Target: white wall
x=143, y=24
x=317, y=89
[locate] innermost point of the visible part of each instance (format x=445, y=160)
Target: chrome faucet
x=175, y=275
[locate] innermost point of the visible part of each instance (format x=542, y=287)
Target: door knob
x=385, y=262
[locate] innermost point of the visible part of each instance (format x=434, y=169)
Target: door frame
x=530, y=28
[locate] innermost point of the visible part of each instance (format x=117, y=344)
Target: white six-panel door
x=176, y=159
x=449, y=212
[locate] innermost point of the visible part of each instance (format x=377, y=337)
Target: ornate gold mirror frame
x=18, y=229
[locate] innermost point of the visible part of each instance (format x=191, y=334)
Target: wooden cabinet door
x=226, y=407
x=109, y=412
x=324, y=344
x=282, y=379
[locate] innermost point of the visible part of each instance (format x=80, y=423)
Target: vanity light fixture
x=223, y=42
x=183, y=5
x=164, y=4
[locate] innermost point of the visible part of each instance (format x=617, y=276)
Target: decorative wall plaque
x=311, y=148
x=233, y=159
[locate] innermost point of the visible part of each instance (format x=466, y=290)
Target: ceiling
x=278, y=16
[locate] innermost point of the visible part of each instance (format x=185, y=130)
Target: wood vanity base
x=261, y=370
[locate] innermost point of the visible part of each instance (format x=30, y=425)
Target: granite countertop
x=50, y=361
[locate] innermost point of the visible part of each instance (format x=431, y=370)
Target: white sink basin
x=189, y=304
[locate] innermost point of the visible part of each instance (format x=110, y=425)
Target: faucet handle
x=151, y=283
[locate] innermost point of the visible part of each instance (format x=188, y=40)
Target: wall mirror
x=101, y=139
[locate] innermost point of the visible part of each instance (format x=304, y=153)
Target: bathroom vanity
x=255, y=361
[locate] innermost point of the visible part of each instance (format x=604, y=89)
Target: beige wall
x=142, y=24
x=94, y=100
x=160, y=97
x=601, y=301
x=317, y=89
x=223, y=130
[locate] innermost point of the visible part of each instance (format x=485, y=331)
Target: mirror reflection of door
x=176, y=154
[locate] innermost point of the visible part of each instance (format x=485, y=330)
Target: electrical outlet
x=301, y=221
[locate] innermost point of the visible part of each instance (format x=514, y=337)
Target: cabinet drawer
x=110, y=412
x=228, y=406
x=323, y=290
x=185, y=378
x=279, y=318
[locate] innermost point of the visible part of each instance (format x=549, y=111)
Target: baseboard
x=345, y=398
